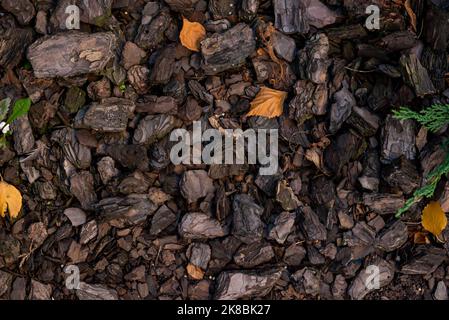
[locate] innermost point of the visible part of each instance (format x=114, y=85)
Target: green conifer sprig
x=433, y=118
x=428, y=190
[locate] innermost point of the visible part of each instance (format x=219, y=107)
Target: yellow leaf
x=192, y=33
x=268, y=103
x=195, y=272
x=433, y=218
x=10, y=200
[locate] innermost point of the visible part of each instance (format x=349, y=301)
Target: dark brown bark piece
x=399, y=41
x=5, y=282
x=341, y=109
x=130, y=156
x=195, y=185
x=284, y=46
x=370, y=177
x=222, y=9
x=290, y=16
x=71, y=53
x=286, y=197
x=13, y=43
x=398, y=139
x=137, y=182
x=294, y=255
x=163, y=68
x=79, y=155
x=95, y=292
x=82, y=187
x=351, y=32
x=437, y=66
x=227, y=50
x=283, y=226
x=319, y=15
x=249, y=9
x=345, y=147
x=18, y=291
x=199, y=254
x=138, y=76
x=247, y=224
x=252, y=255
x=402, y=175
x=134, y=209
x=40, y=291
x=416, y=75
x=364, y=121
x=161, y=220
x=201, y=226
x=153, y=105
x=110, y=115
x=313, y=228
x=76, y=216
x=383, y=203
x=23, y=135
x=150, y=36
x=393, y=238
x=23, y=10
x=186, y=7
x=310, y=99
x=132, y=55
x=435, y=21
x=426, y=261
x=154, y=127
x=313, y=59
x=240, y=285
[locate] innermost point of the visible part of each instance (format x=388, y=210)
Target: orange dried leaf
x=192, y=33
x=195, y=272
x=10, y=200
x=411, y=14
x=420, y=238
x=433, y=218
x=268, y=103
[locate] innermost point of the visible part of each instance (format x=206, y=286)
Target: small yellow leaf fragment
x=195, y=272
x=434, y=219
x=192, y=33
x=268, y=103
x=10, y=200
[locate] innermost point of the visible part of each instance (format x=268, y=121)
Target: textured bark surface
x=227, y=50
x=13, y=43
x=66, y=55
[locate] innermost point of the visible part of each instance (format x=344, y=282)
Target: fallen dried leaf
x=420, y=238
x=192, y=33
x=268, y=103
x=411, y=14
x=195, y=272
x=433, y=218
x=10, y=200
